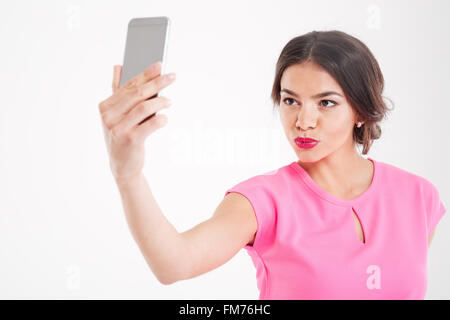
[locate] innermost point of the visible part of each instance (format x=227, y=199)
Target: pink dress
x=306, y=245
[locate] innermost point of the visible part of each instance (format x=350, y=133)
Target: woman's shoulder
x=267, y=184
x=266, y=178
x=395, y=175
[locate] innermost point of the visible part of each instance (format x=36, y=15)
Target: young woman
x=332, y=225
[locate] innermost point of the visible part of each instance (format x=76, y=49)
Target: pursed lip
x=305, y=140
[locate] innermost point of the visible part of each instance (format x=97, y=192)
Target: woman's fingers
x=148, y=74
x=112, y=99
x=141, y=132
x=131, y=97
x=144, y=91
x=140, y=112
x=116, y=77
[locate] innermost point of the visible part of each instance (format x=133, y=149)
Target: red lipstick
x=306, y=143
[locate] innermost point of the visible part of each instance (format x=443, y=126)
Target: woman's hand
x=122, y=114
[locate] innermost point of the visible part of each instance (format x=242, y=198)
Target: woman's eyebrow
x=319, y=95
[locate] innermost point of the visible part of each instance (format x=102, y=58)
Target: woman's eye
x=285, y=99
x=326, y=105
x=334, y=103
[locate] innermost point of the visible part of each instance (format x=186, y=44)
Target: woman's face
x=328, y=118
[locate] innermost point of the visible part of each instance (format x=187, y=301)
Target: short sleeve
x=435, y=208
x=263, y=206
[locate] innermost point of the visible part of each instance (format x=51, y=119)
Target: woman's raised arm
x=172, y=256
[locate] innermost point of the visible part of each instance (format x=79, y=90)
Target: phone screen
x=146, y=44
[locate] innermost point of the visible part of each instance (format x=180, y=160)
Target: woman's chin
x=306, y=156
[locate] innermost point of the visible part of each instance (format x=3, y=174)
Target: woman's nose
x=307, y=117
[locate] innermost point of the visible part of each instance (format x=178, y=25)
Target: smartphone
x=146, y=43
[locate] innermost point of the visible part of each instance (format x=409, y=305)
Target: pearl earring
x=359, y=124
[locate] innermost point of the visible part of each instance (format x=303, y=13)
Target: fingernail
x=171, y=76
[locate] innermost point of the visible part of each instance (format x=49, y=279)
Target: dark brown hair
x=352, y=65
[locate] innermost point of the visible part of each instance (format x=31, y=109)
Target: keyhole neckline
x=331, y=198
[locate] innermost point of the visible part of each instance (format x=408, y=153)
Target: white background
x=63, y=234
